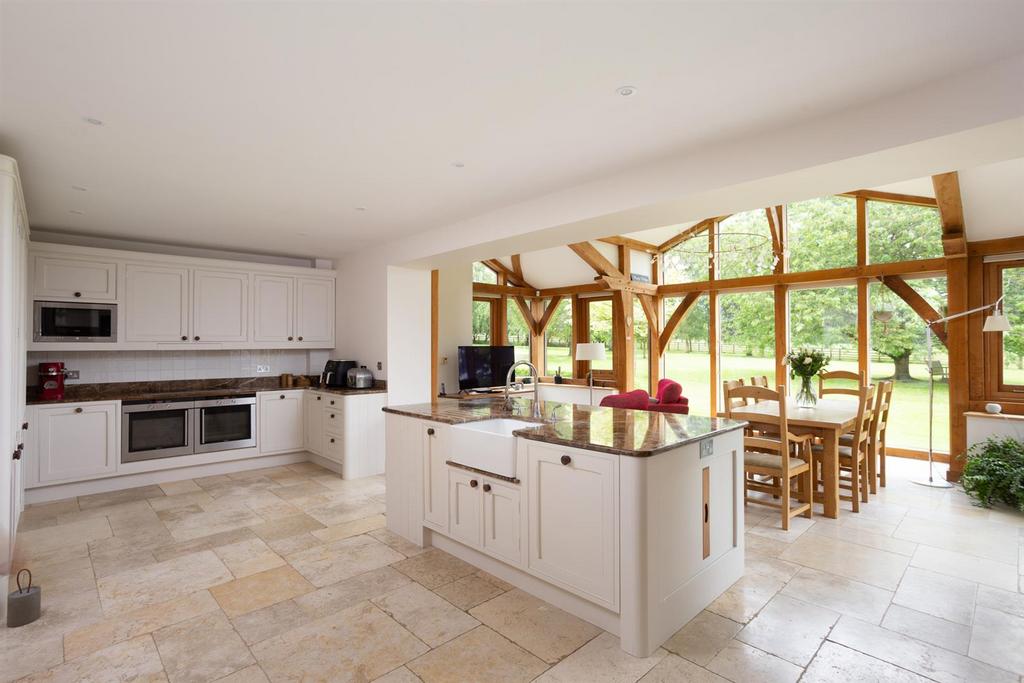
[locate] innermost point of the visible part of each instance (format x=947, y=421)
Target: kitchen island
x=632, y=520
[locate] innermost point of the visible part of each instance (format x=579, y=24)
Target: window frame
x=993, y=276
x=585, y=309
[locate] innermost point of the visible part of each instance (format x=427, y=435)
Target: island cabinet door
x=434, y=438
x=573, y=511
x=502, y=520
x=466, y=518
x=718, y=503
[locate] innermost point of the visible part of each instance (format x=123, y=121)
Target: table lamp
x=590, y=351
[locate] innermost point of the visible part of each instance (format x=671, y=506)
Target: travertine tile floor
x=289, y=574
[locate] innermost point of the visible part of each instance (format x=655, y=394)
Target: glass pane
x=641, y=347
x=747, y=347
x=1013, y=341
x=152, y=431
x=601, y=331
x=687, y=359
x=901, y=232
x=481, y=323
x=557, y=340
x=226, y=423
x=482, y=273
x=518, y=335
x=822, y=233
x=826, y=320
x=744, y=245
x=898, y=353
x=686, y=262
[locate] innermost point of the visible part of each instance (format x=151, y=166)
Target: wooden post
x=537, y=336
x=863, y=293
x=622, y=339
x=580, y=335
x=499, y=317
x=654, y=350
x=781, y=334
x=959, y=382
x=713, y=322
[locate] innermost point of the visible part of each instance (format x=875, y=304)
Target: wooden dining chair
x=876, y=454
x=761, y=381
x=823, y=377
x=854, y=455
x=727, y=386
x=784, y=458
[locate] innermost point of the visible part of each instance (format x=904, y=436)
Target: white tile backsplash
x=147, y=366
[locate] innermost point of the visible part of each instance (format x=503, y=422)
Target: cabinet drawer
x=334, y=447
x=74, y=279
x=331, y=401
x=332, y=418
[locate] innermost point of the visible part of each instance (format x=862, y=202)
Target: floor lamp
x=590, y=351
x=996, y=322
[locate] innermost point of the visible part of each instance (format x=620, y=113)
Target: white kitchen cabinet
x=273, y=308
x=220, y=306
x=75, y=441
x=465, y=517
x=314, y=310
x=281, y=427
x=76, y=279
x=573, y=519
x=718, y=506
x=313, y=416
x=502, y=520
x=156, y=304
x=434, y=442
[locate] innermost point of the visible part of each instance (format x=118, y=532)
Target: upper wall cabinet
x=62, y=278
x=183, y=302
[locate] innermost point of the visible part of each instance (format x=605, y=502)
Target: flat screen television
x=481, y=367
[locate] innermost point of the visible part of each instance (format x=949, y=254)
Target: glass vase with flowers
x=806, y=364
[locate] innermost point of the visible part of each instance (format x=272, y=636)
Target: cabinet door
x=280, y=422
x=76, y=441
x=157, y=303
x=718, y=504
x=434, y=438
x=314, y=419
x=60, y=278
x=334, y=447
x=274, y=308
x=220, y=306
x=314, y=311
x=466, y=515
x=573, y=519
x=502, y=520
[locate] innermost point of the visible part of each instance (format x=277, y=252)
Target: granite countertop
x=637, y=433
x=182, y=389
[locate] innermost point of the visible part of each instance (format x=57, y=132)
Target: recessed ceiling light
x=303, y=234
x=626, y=90
x=77, y=212
x=78, y=188
x=458, y=164
x=90, y=120
x=360, y=208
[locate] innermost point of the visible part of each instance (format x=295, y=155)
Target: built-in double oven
x=153, y=429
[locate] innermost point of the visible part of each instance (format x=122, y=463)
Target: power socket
x=262, y=369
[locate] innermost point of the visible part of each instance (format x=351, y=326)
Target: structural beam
x=951, y=211
x=511, y=276
x=687, y=234
x=638, y=245
x=893, y=197
x=524, y=308
x=545, y=319
x=677, y=317
x=909, y=295
x=486, y=288
x=622, y=339
x=627, y=285
x=595, y=259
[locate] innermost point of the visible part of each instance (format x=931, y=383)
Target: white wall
x=408, y=335
x=455, y=321
x=362, y=310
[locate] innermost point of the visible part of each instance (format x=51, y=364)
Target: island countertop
x=636, y=433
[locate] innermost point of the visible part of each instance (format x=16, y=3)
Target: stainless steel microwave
x=58, y=321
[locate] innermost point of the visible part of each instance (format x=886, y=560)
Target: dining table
x=828, y=419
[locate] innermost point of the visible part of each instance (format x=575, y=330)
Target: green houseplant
x=806, y=364
x=994, y=471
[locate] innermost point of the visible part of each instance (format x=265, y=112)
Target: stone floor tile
x=161, y=582
x=980, y=538
x=180, y=500
x=434, y=568
x=358, y=643
x=169, y=551
x=1004, y=601
x=946, y=634
x=260, y=590
x=250, y=674
x=349, y=592
x=400, y=544
x=201, y=649
x=755, y=563
x=857, y=562
x=790, y=629
x=963, y=566
x=838, y=664
x=138, y=622
x=248, y=557
x=762, y=545
x=771, y=527
x=123, y=496
x=57, y=617
x=852, y=598
x=348, y=529
x=480, y=655
x=139, y=509
x=741, y=662
x=323, y=565
x=286, y=527
x=23, y=656
x=429, y=617
x=73, y=576
x=399, y=675
x=673, y=669
x=601, y=660
x=702, y=637
x=270, y=621
x=936, y=594
x=134, y=660
x=542, y=629
x=54, y=543
x=289, y=545
x=336, y=513
x=114, y=555
x=174, y=488
x=746, y=597
x=855, y=534
x=996, y=639
x=469, y=591
x=212, y=522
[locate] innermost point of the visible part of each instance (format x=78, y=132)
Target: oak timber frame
x=972, y=358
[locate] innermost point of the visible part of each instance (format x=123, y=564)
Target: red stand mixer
x=51, y=381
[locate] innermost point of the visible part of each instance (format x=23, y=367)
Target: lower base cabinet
x=485, y=514
x=76, y=441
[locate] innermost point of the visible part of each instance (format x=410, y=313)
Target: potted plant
x=994, y=471
x=806, y=364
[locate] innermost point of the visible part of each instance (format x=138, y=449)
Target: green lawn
x=908, y=418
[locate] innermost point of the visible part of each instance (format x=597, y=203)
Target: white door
x=573, y=519
x=314, y=418
x=61, y=278
x=156, y=304
x=434, y=440
x=274, y=308
x=314, y=311
x=220, y=306
x=721, y=501
x=281, y=427
x=466, y=515
x=76, y=441
x=502, y=520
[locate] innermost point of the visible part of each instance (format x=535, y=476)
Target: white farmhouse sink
x=488, y=445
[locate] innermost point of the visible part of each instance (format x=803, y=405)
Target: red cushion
x=669, y=391
x=635, y=400
x=678, y=408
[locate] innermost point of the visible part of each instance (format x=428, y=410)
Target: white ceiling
x=261, y=126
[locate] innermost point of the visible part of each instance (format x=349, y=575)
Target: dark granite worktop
x=638, y=433
x=180, y=389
